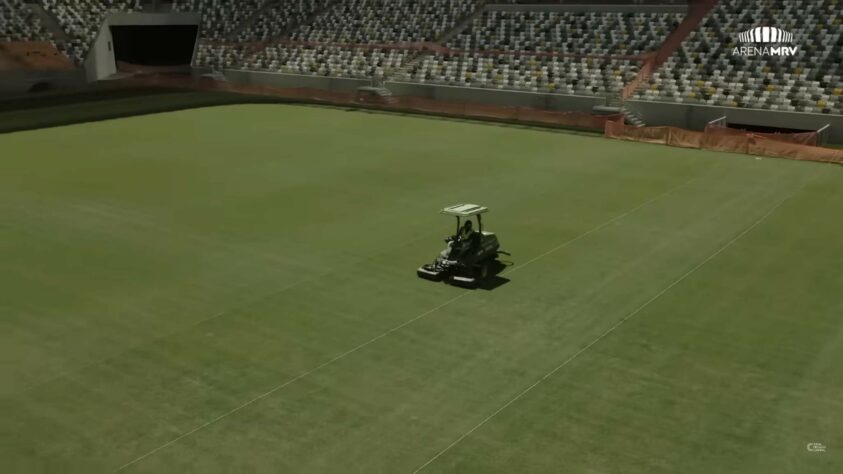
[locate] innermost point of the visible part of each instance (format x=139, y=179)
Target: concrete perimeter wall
x=339, y=84
x=689, y=116
x=536, y=100
x=430, y=91
x=21, y=81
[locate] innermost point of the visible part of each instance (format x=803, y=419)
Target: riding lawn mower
x=470, y=256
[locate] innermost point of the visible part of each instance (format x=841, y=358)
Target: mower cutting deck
x=470, y=256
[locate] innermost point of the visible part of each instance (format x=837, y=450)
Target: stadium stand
x=330, y=61
x=81, y=21
x=219, y=56
x=18, y=24
x=567, y=52
x=596, y=33
x=385, y=21
x=254, y=21
x=524, y=72
x=705, y=70
x=332, y=44
x=280, y=18
x=555, y=52
x=504, y=50
x=220, y=18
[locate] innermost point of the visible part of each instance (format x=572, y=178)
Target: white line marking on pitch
x=600, y=227
x=609, y=331
x=390, y=331
x=289, y=382
x=233, y=310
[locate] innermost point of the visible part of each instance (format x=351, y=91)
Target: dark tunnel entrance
x=154, y=45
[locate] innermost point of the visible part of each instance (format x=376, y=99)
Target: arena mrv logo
x=765, y=41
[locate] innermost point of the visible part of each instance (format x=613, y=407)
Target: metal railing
x=822, y=134
x=719, y=121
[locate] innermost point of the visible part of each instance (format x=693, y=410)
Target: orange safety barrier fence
x=673, y=136
x=768, y=147
x=684, y=138
x=780, y=145
x=801, y=138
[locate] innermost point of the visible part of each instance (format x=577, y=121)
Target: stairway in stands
x=631, y=117
x=256, y=48
x=251, y=19
x=459, y=26
x=615, y=105
x=462, y=24
x=697, y=10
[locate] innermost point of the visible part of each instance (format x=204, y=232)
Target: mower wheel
x=484, y=270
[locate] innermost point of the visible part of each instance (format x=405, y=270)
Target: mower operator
x=465, y=232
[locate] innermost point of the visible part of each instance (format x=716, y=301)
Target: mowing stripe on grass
x=629, y=316
x=601, y=226
x=215, y=316
x=396, y=328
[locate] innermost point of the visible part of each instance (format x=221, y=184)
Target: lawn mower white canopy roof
x=464, y=210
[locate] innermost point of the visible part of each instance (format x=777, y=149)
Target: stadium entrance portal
x=153, y=45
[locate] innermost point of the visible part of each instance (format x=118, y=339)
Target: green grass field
x=233, y=289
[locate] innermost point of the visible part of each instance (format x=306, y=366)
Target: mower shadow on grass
x=494, y=280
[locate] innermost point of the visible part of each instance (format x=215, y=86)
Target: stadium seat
x=280, y=18
x=596, y=33
x=219, y=56
x=329, y=61
x=586, y=76
x=220, y=18
x=81, y=21
x=385, y=21
x=18, y=24
x=704, y=70
x=552, y=52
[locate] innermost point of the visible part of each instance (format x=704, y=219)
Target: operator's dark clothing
x=465, y=239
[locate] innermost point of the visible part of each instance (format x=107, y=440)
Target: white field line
x=608, y=331
x=239, y=307
x=289, y=382
x=390, y=331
